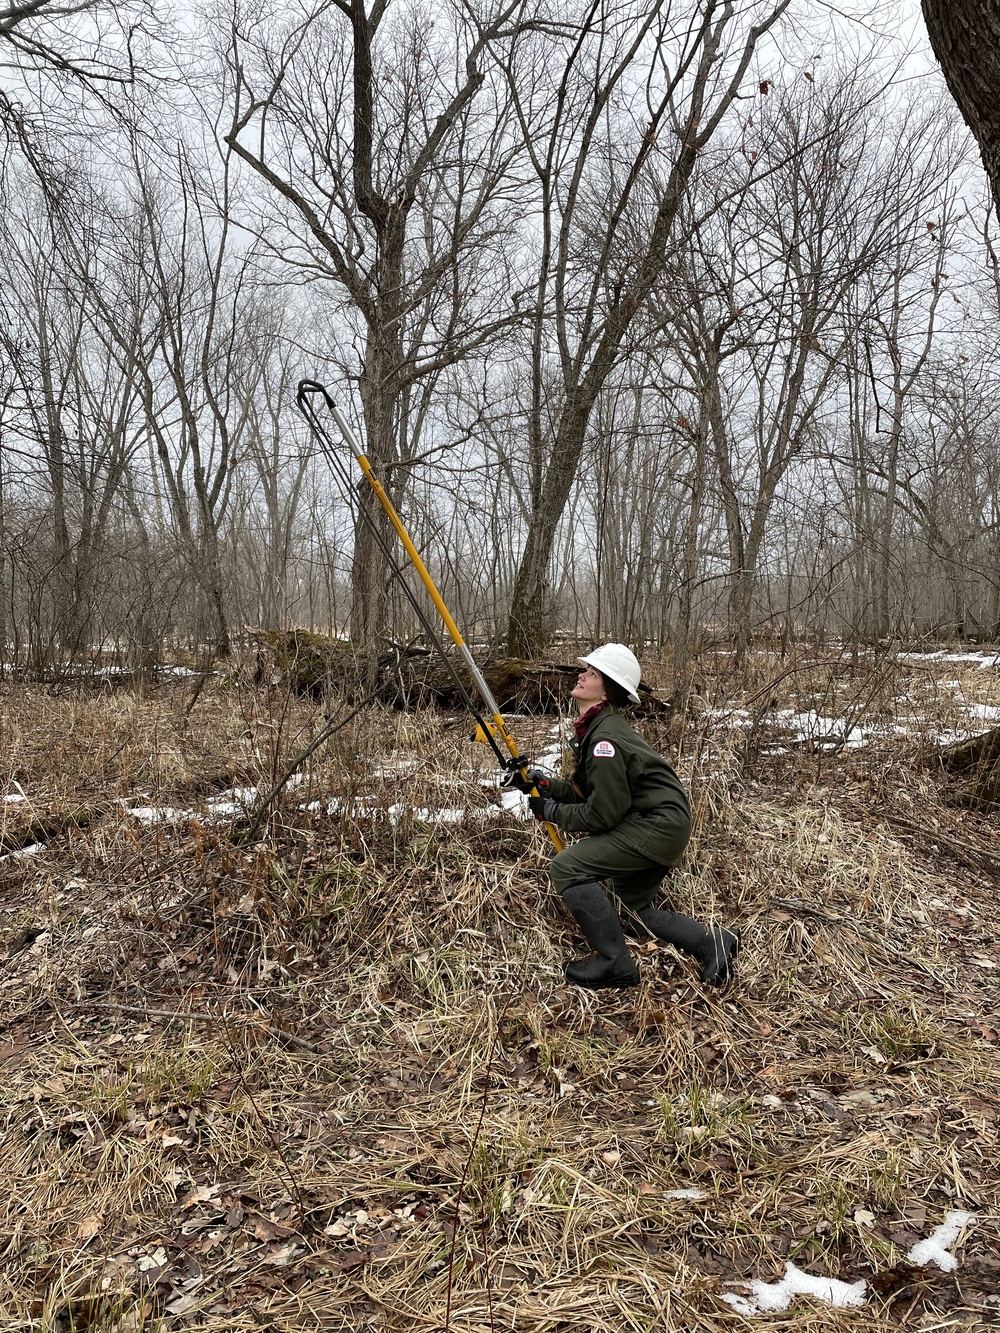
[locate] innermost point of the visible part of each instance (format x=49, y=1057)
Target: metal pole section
x=497, y=718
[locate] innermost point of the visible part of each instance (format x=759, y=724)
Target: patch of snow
x=515, y=803
x=739, y=717
x=951, y=735
x=15, y=797
x=774, y=1297
x=398, y=766
x=438, y=816
x=32, y=849
x=331, y=807
x=988, y=712
x=685, y=1194
x=771, y=1298
x=936, y=1248
x=234, y=800
x=812, y=726
x=981, y=659
x=158, y=814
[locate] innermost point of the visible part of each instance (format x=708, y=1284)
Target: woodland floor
x=333, y=1078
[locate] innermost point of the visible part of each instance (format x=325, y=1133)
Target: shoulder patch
x=604, y=750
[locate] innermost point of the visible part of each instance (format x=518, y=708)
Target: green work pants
x=635, y=856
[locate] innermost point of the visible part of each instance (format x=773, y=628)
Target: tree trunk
x=979, y=760
x=965, y=35
x=689, y=573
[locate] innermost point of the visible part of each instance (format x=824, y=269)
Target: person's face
x=588, y=690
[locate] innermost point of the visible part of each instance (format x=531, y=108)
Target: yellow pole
x=497, y=718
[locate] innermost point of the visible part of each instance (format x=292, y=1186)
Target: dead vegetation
x=335, y=1079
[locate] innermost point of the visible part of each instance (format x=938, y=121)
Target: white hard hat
x=617, y=662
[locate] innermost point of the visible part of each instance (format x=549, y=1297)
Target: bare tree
x=367, y=124
x=73, y=408
x=612, y=186
x=766, y=312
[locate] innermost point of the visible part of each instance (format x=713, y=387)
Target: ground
x=331, y=1076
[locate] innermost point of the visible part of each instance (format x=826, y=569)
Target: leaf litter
x=469, y=1143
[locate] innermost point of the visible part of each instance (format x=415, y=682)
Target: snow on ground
x=936, y=1248
x=236, y=801
x=158, y=814
x=396, y=767
x=813, y=726
x=987, y=712
x=185, y=671
x=773, y=1297
x=31, y=850
x=982, y=659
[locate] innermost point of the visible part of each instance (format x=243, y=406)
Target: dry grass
x=383, y=1109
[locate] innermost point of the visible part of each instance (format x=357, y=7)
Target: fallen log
x=517, y=686
x=977, y=760
x=47, y=827
x=412, y=677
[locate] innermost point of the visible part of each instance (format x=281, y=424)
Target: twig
x=276, y=1143
x=837, y=919
x=980, y=859
x=189, y=1016
x=264, y=804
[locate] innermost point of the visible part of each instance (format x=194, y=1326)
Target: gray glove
x=543, y=808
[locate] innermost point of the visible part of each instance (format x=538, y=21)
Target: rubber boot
x=713, y=946
x=612, y=964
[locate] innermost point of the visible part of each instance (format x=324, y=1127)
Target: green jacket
x=617, y=774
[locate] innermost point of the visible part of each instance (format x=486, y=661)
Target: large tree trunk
x=965, y=35
x=978, y=760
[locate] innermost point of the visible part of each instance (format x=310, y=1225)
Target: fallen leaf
x=201, y=1194
x=864, y=1218
x=353, y=1259
x=158, y=1259
x=90, y=1226
x=264, y=1229
x=280, y=1257
x=183, y=1304
x=860, y=1098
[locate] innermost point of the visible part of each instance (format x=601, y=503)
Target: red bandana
x=584, y=720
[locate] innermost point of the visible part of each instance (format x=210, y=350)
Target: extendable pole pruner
x=492, y=729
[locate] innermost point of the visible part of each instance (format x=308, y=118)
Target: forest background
x=660, y=322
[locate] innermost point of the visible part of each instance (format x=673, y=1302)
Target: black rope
x=320, y=433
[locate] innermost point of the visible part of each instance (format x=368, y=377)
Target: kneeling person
x=631, y=803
